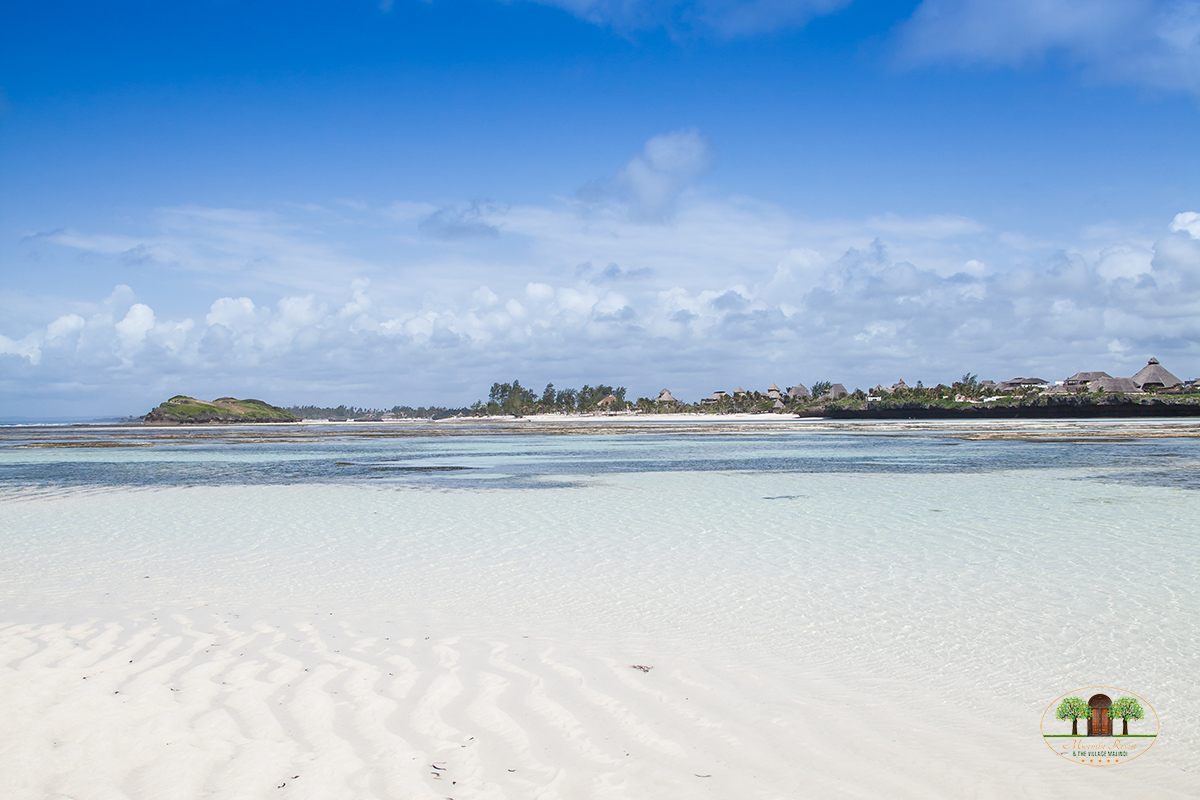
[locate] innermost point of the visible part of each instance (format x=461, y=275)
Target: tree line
x=517, y=400
x=344, y=412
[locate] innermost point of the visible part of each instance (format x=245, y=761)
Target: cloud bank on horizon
x=657, y=268
x=651, y=280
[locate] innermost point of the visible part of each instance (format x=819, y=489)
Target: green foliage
x=184, y=409
x=1072, y=708
x=1126, y=708
x=821, y=387
x=344, y=412
x=515, y=399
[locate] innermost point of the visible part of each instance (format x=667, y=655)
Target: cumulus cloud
x=651, y=182
x=799, y=307
x=26, y=348
x=237, y=314
x=650, y=284
x=723, y=17
x=1155, y=42
x=65, y=326
x=1188, y=221
x=132, y=330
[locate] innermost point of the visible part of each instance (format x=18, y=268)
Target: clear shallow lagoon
x=993, y=567
x=533, y=455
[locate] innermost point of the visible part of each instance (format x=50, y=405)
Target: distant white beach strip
x=628, y=634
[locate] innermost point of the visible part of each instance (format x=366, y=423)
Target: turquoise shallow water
x=1008, y=570
x=515, y=456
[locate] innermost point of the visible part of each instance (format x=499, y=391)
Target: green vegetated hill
x=183, y=410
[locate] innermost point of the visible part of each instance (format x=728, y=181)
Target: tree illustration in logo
x=1074, y=709
x=1125, y=709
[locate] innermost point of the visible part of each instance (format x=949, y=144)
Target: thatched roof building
x=714, y=398
x=836, y=391
x=1155, y=376
x=607, y=401
x=798, y=391
x=739, y=392
x=774, y=392
x=1115, y=386
x=665, y=397
x=1084, y=378
x=1021, y=383
x=778, y=406
x=899, y=385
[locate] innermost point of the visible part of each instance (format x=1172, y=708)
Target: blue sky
x=403, y=202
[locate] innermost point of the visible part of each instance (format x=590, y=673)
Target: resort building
x=798, y=391
x=1024, y=383
x=1084, y=378
x=665, y=397
x=1114, y=386
x=1155, y=376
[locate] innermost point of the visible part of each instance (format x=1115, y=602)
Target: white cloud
x=64, y=326
x=1154, y=42
x=132, y=330
x=237, y=314
x=26, y=347
x=723, y=17
x=762, y=293
x=1187, y=221
x=718, y=289
x=652, y=180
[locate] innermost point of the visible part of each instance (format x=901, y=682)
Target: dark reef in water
x=1076, y=407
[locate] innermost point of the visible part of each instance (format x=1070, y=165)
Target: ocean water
x=992, y=567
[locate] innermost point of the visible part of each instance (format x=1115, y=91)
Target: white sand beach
x=652, y=634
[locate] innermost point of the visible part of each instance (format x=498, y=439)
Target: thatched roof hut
x=774, y=392
x=899, y=385
x=1022, y=383
x=1155, y=376
x=798, y=391
x=714, y=398
x=1082, y=378
x=836, y=391
x=1115, y=386
x=739, y=392
x=665, y=397
x=778, y=406
x=607, y=401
